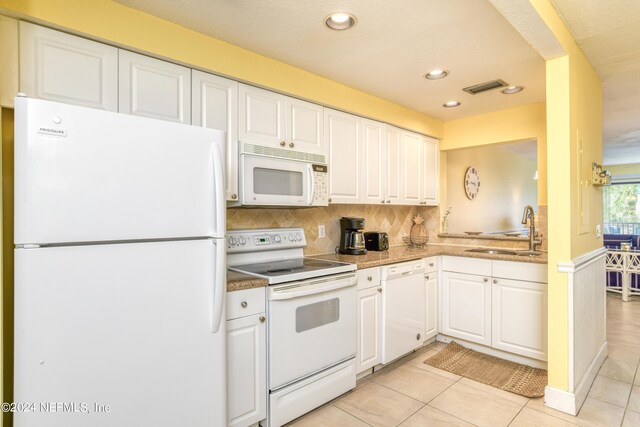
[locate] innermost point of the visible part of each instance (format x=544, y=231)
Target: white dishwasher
x=402, y=308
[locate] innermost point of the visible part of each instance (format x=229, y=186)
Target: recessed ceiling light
x=436, y=74
x=512, y=89
x=340, y=21
x=451, y=104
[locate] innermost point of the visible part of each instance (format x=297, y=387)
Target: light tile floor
x=409, y=393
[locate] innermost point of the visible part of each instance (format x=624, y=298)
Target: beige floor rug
x=499, y=373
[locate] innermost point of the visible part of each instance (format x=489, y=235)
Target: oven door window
x=317, y=314
x=277, y=182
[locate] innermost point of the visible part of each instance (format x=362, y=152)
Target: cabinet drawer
x=368, y=277
x=520, y=271
x=480, y=267
x=245, y=303
x=431, y=264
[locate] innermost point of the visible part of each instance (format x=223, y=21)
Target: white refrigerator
x=119, y=270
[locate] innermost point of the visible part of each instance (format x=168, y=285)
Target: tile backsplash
x=395, y=220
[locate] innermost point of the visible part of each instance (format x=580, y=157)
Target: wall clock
x=471, y=183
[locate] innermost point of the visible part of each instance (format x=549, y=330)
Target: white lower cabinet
x=504, y=307
x=369, y=319
x=466, y=307
x=519, y=320
x=430, y=305
x=246, y=357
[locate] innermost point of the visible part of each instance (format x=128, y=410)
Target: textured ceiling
x=389, y=50
x=608, y=31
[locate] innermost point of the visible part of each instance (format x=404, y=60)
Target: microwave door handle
x=312, y=184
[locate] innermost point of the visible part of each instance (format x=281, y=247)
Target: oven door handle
x=313, y=288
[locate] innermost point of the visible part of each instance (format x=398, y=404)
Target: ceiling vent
x=483, y=87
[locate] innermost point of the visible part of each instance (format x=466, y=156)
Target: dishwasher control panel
x=402, y=269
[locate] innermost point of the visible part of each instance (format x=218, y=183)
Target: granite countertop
x=406, y=253
x=238, y=281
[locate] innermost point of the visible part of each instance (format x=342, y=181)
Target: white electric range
x=311, y=312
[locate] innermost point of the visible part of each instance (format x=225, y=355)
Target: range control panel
x=265, y=239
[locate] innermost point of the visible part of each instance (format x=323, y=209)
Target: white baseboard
x=560, y=400
x=571, y=403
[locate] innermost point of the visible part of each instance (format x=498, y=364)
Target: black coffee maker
x=352, y=236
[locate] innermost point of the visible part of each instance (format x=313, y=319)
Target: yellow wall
x=116, y=24
x=514, y=124
x=6, y=152
x=574, y=119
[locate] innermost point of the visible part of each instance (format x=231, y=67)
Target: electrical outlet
x=598, y=233
x=321, y=232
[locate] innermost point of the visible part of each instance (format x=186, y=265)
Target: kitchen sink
x=492, y=251
x=529, y=253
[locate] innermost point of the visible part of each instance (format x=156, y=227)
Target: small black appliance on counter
x=351, y=236
x=376, y=241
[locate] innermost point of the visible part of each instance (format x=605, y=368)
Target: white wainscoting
x=587, y=329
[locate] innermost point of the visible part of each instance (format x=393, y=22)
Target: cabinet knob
x=379, y=289
x=430, y=264
x=369, y=278
x=234, y=196
x=262, y=319
x=382, y=201
x=426, y=277
x=291, y=145
x=282, y=143
x=388, y=201
x=243, y=304
x=418, y=337
x=495, y=281
x=485, y=280
x=329, y=200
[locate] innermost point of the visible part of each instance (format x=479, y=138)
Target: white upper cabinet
x=65, y=68
x=412, y=164
x=262, y=117
x=215, y=105
x=9, y=58
x=274, y=120
x=429, y=181
x=393, y=167
x=153, y=88
x=304, y=129
x=373, y=150
x=342, y=132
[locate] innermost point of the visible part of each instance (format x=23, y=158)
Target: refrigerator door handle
x=219, y=284
x=219, y=199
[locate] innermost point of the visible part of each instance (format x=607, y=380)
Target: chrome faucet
x=533, y=239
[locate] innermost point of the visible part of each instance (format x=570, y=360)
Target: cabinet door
x=466, y=307
x=304, y=127
x=247, y=367
x=430, y=305
x=369, y=333
x=342, y=133
x=153, y=88
x=261, y=117
x=373, y=148
x=65, y=68
x=215, y=105
x=520, y=317
x=393, y=167
x=10, y=60
x=403, y=316
x=429, y=181
x=411, y=168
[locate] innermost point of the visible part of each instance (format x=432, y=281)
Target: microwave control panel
x=321, y=186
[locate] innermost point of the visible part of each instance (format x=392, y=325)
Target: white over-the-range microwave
x=278, y=177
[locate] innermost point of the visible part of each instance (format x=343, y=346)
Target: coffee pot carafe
x=352, y=236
